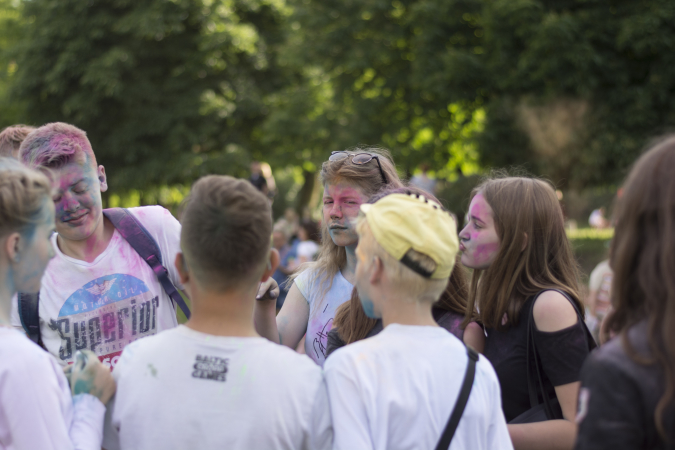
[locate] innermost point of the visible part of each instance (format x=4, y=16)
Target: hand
x=89, y=376
x=268, y=290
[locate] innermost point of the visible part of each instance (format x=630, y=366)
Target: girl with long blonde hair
x=349, y=178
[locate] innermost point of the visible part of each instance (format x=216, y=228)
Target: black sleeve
x=334, y=342
x=610, y=411
x=562, y=353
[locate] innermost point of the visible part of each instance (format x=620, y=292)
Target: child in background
x=36, y=408
x=215, y=383
x=396, y=390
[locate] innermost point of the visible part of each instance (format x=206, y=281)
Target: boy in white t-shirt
x=97, y=292
x=397, y=390
x=214, y=382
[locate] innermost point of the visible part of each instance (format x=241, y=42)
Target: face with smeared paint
x=341, y=202
x=34, y=250
x=479, y=242
x=77, y=199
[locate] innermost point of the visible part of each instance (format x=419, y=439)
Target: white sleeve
x=86, y=430
x=34, y=399
x=303, y=283
x=350, y=420
x=321, y=426
x=498, y=437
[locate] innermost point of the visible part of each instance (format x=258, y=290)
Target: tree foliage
x=170, y=90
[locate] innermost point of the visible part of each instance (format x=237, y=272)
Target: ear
x=103, y=180
x=13, y=244
x=376, y=270
x=272, y=264
x=182, y=269
x=524, y=242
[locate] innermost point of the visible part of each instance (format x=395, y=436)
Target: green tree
x=166, y=90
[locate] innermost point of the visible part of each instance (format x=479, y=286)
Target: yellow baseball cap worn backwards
x=402, y=222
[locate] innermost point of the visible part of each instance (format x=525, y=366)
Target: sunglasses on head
x=358, y=159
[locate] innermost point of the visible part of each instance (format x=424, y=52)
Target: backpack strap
x=29, y=314
x=146, y=247
x=462, y=400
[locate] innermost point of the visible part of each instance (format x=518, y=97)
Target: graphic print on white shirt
x=321, y=309
x=105, y=304
x=105, y=315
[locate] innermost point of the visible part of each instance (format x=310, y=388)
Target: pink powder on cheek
x=484, y=252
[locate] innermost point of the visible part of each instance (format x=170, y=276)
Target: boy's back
x=396, y=390
x=184, y=389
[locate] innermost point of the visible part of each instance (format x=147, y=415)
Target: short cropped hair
x=407, y=282
x=227, y=225
x=11, y=139
x=23, y=194
x=54, y=145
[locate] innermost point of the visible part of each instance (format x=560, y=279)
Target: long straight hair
x=366, y=178
x=643, y=261
x=535, y=253
x=351, y=321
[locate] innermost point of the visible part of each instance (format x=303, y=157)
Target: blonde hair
x=23, y=194
x=405, y=281
x=11, y=139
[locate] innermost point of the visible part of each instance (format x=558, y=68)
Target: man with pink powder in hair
x=97, y=292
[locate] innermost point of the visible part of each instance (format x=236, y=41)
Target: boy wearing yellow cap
x=396, y=390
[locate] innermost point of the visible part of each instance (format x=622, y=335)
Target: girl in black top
x=516, y=243
x=627, y=399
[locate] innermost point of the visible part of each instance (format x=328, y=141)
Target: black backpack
x=140, y=240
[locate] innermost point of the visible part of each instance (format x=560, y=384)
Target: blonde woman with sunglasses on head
x=349, y=178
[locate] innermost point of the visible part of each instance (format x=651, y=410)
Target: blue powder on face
x=368, y=308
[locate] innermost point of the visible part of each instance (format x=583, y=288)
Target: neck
x=350, y=266
x=90, y=248
x=7, y=291
x=228, y=313
x=403, y=311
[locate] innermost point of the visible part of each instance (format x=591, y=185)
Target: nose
x=69, y=202
x=336, y=211
x=464, y=234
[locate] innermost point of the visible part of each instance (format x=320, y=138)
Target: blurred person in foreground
x=397, y=390
x=11, y=139
x=627, y=398
x=38, y=409
x=215, y=383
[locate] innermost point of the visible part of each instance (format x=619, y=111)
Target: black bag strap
x=146, y=247
x=29, y=314
x=462, y=400
x=537, y=378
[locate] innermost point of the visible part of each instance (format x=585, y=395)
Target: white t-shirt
x=183, y=389
x=321, y=309
x=396, y=390
x=36, y=409
x=114, y=300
